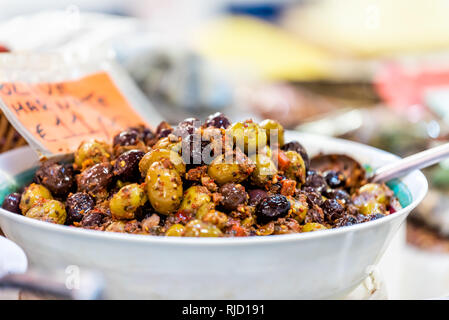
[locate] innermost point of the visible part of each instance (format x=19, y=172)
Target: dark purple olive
x=338, y=194
x=93, y=219
x=315, y=181
x=346, y=221
x=314, y=198
x=376, y=216
x=233, y=196
x=126, y=166
x=77, y=206
x=256, y=196
x=296, y=146
x=12, y=201
x=163, y=130
x=128, y=137
x=95, y=178
x=334, y=179
x=332, y=209
x=218, y=120
x=271, y=208
x=58, y=178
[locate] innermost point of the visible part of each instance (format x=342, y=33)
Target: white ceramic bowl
x=322, y=264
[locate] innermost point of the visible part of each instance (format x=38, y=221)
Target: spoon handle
x=414, y=162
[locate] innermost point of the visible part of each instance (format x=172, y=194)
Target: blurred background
x=373, y=71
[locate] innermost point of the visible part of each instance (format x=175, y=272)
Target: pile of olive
x=167, y=180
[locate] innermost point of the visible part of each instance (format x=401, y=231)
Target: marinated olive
x=126, y=166
x=223, y=171
x=12, y=202
x=197, y=228
x=264, y=170
x=247, y=136
x=117, y=226
x=256, y=196
x=91, y=152
x=126, y=138
x=371, y=207
x=77, y=206
x=296, y=169
x=92, y=219
x=204, y=209
x=58, y=178
x=296, y=146
x=233, y=196
x=95, y=179
x=194, y=198
x=271, y=208
x=163, y=130
x=48, y=210
x=125, y=202
x=299, y=208
x=332, y=209
x=313, y=226
x=334, y=179
x=164, y=188
x=275, y=129
x=176, y=230
x=33, y=194
x=217, y=120
x=159, y=155
x=216, y=218
x=315, y=181
x=379, y=192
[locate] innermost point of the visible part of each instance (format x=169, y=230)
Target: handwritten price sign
x=62, y=115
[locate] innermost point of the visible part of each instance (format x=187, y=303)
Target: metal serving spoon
x=414, y=162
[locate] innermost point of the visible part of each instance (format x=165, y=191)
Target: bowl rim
x=417, y=175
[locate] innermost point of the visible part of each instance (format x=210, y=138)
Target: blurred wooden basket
x=9, y=137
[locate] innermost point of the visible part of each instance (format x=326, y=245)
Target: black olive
x=163, y=130
x=93, y=219
x=126, y=138
x=77, y=206
x=376, y=216
x=332, y=209
x=217, y=120
x=335, y=179
x=233, y=196
x=256, y=195
x=271, y=208
x=12, y=202
x=58, y=178
x=95, y=178
x=315, y=181
x=126, y=166
x=338, y=194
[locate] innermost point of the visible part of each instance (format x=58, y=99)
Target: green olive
x=92, y=152
x=48, y=210
x=376, y=191
x=264, y=171
x=224, y=170
x=33, y=194
x=197, y=228
x=165, y=143
x=158, y=155
x=298, y=208
x=216, y=218
x=194, y=198
x=266, y=229
x=372, y=207
x=296, y=169
x=274, y=130
x=126, y=201
x=247, y=136
x=313, y=226
x=204, y=209
x=176, y=230
x=117, y=226
x=164, y=188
